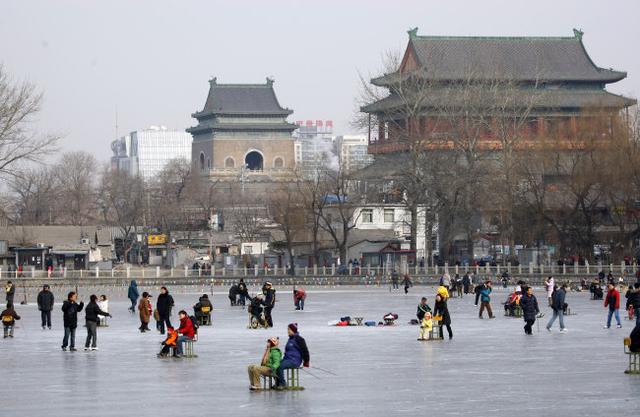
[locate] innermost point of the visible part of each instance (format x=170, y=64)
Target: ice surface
x=490, y=368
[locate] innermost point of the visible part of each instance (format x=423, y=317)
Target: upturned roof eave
x=608, y=77
x=282, y=112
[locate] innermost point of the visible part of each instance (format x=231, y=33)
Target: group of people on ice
x=273, y=364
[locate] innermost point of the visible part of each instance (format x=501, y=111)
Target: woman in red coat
x=612, y=300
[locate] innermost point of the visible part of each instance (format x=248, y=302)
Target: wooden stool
x=634, y=358
x=358, y=320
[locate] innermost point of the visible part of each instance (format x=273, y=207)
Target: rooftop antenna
x=116, y=121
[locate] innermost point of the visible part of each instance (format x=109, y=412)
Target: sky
x=149, y=61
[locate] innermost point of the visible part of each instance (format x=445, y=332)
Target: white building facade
x=146, y=152
x=353, y=151
x=397, y=218
x=313, y=147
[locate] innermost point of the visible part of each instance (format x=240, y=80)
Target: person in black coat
x=633, y=300
x=269, y=302
x=440, y=309
x=234, y=291
x=70, y=318
x=164, y=305
x=243, y=292
x=635, y=339
x=45, y=305
x=466, y=283
x=530, y=310
x=255, y=308
x=91, y=320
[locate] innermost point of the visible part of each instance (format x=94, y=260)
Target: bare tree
x=19, y=144
x=33, y=197
x=169, y=196
x=338, y=213
x=76, y=179
x=286, y=207
x=247, y=214
x=121, y=202
x=313, y=200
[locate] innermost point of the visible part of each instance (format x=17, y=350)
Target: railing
x=326, y=271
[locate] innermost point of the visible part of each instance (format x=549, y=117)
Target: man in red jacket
x=612, y=300
x=186, y=330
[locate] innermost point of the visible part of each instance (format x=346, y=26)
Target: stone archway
x=254, y=161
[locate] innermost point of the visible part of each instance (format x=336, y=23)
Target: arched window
x=201, y=161
x=229, y=162
x=278, y=162
x=208, y=163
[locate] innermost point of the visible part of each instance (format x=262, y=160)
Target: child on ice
x=425, y=326
x=168, y=343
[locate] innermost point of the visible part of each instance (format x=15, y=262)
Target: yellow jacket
x=427, y=323
x=444, y=293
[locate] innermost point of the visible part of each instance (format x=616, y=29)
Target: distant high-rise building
x=146, y=152
x=314, y=149
x=353, y=151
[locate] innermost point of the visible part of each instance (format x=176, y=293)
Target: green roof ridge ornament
x=213, y=81
x=413, y=33
x=578, y=34
x=269, y=81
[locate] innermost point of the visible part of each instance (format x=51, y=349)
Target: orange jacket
x=172, y=336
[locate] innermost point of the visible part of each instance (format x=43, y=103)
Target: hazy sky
x=152, y=59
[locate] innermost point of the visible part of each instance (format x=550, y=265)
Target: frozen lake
x=490, y=368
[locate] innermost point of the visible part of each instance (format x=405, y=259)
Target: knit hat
x=293, y=327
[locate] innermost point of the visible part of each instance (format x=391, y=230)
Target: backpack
x=194, y=322
x=8, y=319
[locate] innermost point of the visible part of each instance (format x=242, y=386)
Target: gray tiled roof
x=565, y=98
x=242, y=99
x=208, y=126
x=55, y=236
x=516, y=58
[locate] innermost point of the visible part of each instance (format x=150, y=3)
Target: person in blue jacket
x=485, y=300
x=133, y=295
x=295, y=354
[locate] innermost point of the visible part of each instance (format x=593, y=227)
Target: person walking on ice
x=549, y=285
x=612, y=300
x=92, y=311
x=133, y=295
x=45, y=305
x=529, y=305
x=70, y=310
x=485, y=300
x=558, y=308
x=145, y=312
x=9, y=317
x=441, y=311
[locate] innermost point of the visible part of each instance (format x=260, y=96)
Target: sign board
x=156, y=239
